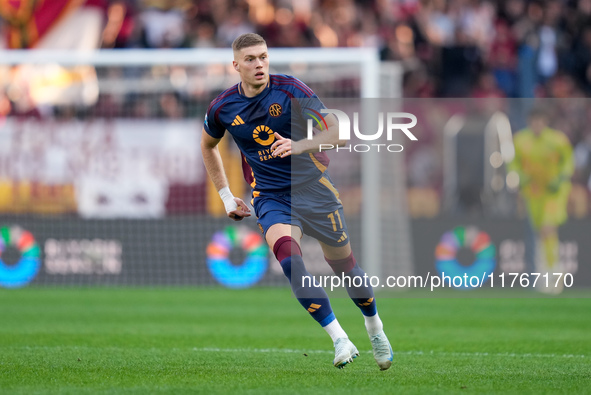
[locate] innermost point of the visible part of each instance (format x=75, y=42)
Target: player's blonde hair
x=247, y=40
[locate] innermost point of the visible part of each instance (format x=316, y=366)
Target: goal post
x=202, y=73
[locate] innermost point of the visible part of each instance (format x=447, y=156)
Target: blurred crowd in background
x=448, y=48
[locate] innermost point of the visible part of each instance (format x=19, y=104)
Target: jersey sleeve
x=212, y=125
x=308, y=106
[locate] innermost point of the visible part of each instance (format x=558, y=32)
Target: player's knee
x=344, y=265
x=285, y=247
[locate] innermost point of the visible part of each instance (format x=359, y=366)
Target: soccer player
x=292, y=192
x=544, y=163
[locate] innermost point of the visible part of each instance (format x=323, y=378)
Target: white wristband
x=228, y=199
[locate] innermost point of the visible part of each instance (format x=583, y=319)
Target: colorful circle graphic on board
x=25, y=270
x=465, y=237
x=250, y=271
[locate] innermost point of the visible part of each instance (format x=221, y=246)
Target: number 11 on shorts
x=334, y=223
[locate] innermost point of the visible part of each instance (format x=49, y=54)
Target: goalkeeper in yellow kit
x=544, y=163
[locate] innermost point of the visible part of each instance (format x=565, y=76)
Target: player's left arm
x=566, y=164
x=330, y=137
x=567, y=167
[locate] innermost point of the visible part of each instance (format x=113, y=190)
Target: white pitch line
x=294, y=351
x=418, y=353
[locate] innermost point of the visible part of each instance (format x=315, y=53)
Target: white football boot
x=382, y=351
x=344, y=352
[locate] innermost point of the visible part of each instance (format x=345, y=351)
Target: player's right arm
x=516, y=164
x=566, y=164
x=567, y=161
x=235, y=207
x=283, y=147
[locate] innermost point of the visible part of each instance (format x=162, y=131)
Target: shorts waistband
x=295, y=188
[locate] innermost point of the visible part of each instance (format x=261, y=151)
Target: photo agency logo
x=395, y=122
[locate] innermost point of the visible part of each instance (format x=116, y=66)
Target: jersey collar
x=241, y=91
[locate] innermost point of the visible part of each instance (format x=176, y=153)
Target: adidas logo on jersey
x=342, y=238
x=237, y=121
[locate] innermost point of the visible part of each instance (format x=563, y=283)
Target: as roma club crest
x=275, y=110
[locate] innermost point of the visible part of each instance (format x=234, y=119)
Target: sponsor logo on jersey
x=263, y=135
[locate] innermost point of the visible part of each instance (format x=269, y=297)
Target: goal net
x=102, y=181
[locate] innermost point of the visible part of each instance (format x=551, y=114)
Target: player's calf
x=310, y=294
x=362, y=295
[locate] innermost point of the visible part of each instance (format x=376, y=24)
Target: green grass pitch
x=212, y=340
